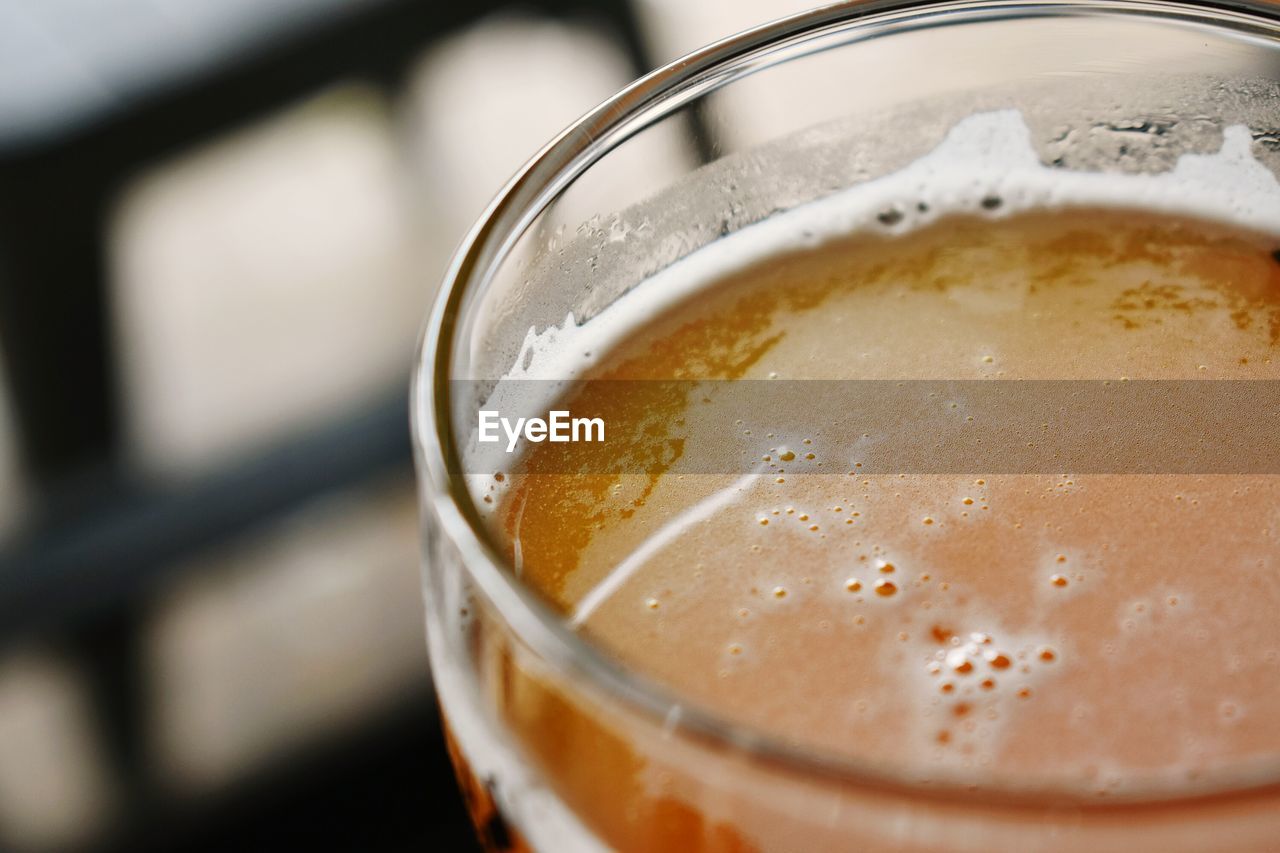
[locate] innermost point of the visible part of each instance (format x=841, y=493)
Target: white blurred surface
x=483, y=102
x=673, y=28
x=287, y=637
x=53, y=790
x=265, y=282
x=751, y=111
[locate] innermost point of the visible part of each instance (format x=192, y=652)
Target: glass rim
x=538, y=182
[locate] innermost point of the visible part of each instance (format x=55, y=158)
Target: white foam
x=985, y=156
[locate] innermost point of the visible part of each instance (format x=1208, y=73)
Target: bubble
x=885, y=587
x=786, y=456
x=764, y=522
x=779, y=592
x=885, y=566
x=967, y=501
x=998, y=660
x=1058, y=580
x=652, y=603
x=1046, y=654
x=735, y=649
x=959, y=662
x=988, y=684
x=927, y=520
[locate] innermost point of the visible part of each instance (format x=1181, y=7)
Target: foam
x=986, y=166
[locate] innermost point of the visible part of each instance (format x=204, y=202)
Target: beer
x=1101, y=633
x=1100, y=627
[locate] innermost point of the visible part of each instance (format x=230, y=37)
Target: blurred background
x=221, y=224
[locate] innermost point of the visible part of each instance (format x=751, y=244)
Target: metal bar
x=53, y=324
x=108, y=553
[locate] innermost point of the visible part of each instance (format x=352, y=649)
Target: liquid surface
x=1099, y=631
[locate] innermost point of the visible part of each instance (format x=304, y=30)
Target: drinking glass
x=557, y=746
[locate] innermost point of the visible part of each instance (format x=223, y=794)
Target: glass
x=557, y=747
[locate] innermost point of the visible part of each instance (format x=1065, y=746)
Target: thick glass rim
x=442, y=484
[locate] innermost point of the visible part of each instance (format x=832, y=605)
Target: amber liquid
x=1101, y=632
